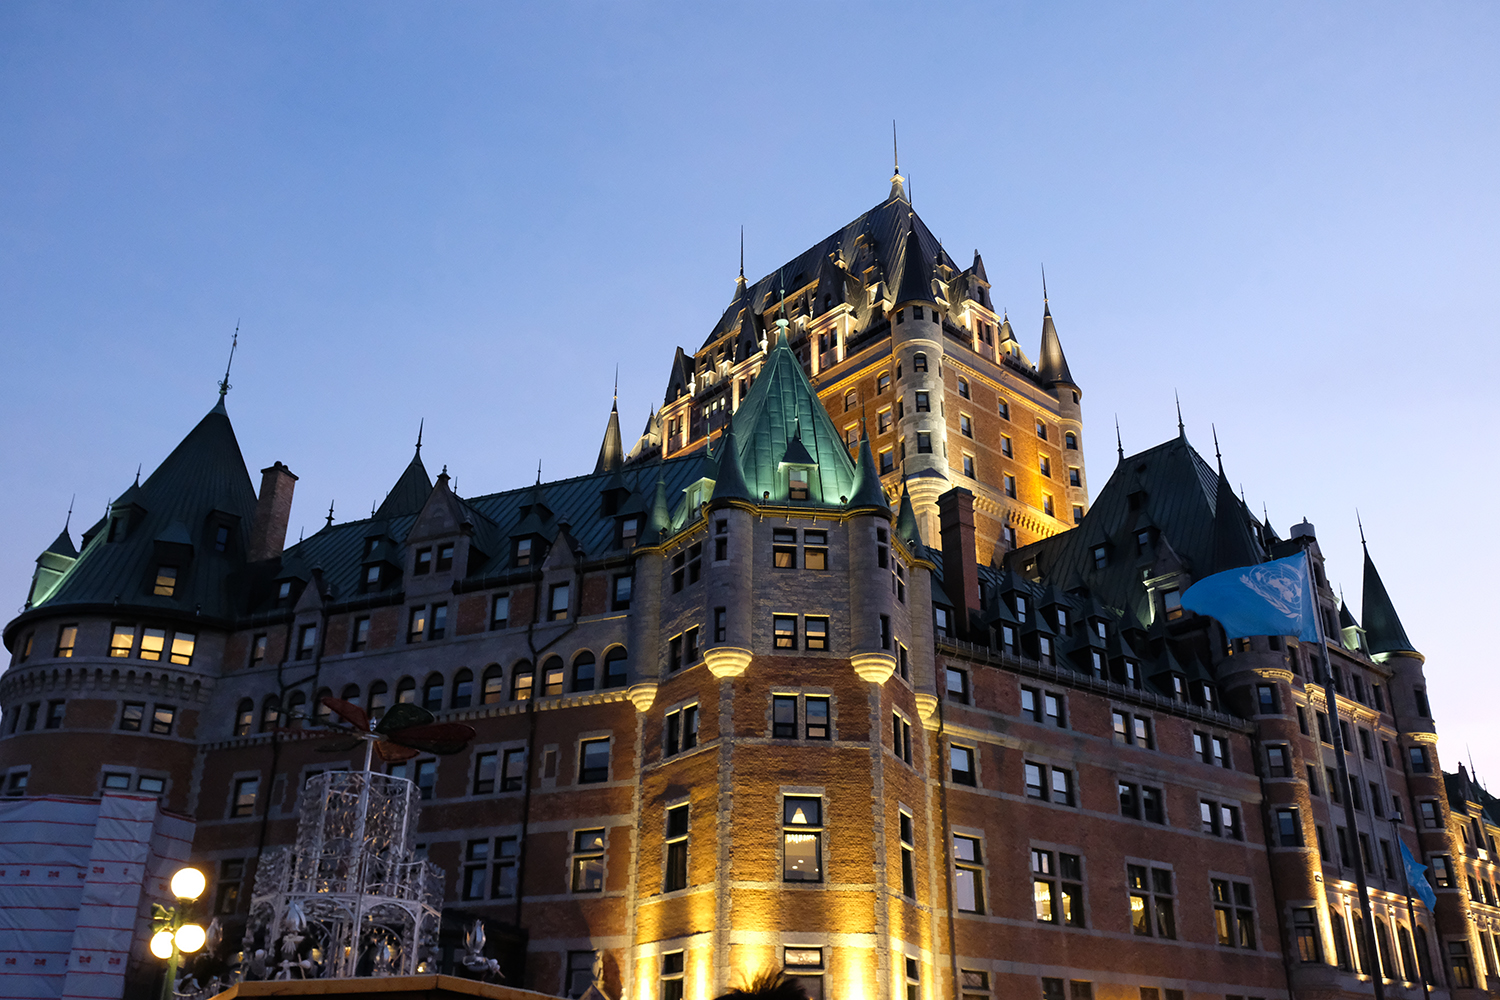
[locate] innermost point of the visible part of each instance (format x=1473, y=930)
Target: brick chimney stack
x=960, y=571
x=273, y=509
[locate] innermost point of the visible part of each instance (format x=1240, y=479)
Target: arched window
x=1408, y=963
x=244, y=717
x=521, y=678
x=583, y=671
x=851, y=400
x=963, y=388
x=380, y=700
x=1070, y=441
x=321, y=712
x=350, y=694
x=1362, y=946
x=463, y=689
x=432, y=693
x=1424, y=960
x=552, y=676
x=1383, y=942
x=493, y=689
x=919, y=362
x=616, y=667
x=1340, y=941
x=270, y=713
x=406, y=691
x=296, y=709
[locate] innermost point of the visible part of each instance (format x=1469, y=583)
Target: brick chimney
x=273, y=509
x=960, y=571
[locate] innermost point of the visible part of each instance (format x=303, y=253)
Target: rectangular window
x=131, y=716
x=1278, y=761
x=923, y=404
x=513, y=771
x=924, y=443
x=439, y=625
x=416, y=626
x=500, y=611
x=361, y=634
x=153, y=641
x=484, y=773
x=588, y=861
x=1289, y=827
x=968, y=875
x=426, y=779
x=901, y=737
x=1006, y=447
x=1234, y=918
x=815, y=629
x=1152, y=907
x=1010, y=486
x=476, y=868
x=67, y=637
x=593, y=761
x=785, y=629
x=961, y=762
x=307, y=641
x=1419, y=760
x=166, y=581
x=817, y=718
x=1075, y=478
x=969, y=466
x=1056, y=888
x=423, y=564
x=620, y=601
x=802, y=839
x=245, y=791
x=161, y=719
x=557, y=605
x=55, y=711
x=503, y=874
x=908, y=856
x=677, y=848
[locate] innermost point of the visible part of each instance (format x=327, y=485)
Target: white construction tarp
x=77, y=877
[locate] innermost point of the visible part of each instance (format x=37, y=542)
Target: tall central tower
x=899, y=339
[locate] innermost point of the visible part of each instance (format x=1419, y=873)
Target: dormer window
x=1062, y=621
x=370, y=544
x=116, y=529
x=523, y=552
x=445, y=558
x=1179, y=688
x=372, y=579
x=221, y=538
x=423, y=564
x=1142, y=541
x=1101, y=556
x=284, y=594
x=1020, y=607
x=1171, y=604
x=166, y=581
x=797, y=484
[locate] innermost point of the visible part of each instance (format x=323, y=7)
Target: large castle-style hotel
x=835, y=670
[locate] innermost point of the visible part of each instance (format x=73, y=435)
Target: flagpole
x=1411, y=908
x=1330, y=697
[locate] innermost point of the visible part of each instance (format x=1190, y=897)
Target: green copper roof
x=767, y=422
x=867, y=489
x=410, y=492
x=1383, y=629
x=166, y=520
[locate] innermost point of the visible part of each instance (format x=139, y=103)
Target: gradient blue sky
x=470, y=213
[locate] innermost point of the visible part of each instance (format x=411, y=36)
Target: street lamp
x=174, y=935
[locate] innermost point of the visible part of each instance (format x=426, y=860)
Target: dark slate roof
x=916, y=272
x=338, y=551
x=874, y=243
x=205, y=473
x=781, y=403
x=1234, y=545
x=1177, y=492
x=62, y=545
x=1383, y=629
x=410, y=492
x=1052, y=364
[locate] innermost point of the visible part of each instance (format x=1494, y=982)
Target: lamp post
x=174, y=935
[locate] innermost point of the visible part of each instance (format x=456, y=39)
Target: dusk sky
x=471, y=213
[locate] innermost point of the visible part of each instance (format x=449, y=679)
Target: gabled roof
x=1383, y=629
x=778, y=411
x=204, y=474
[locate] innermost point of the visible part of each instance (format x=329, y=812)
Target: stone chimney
x=960, y=571
x=273, y=509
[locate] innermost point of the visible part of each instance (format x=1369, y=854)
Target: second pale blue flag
x=1274, y=598
x=1416, y=878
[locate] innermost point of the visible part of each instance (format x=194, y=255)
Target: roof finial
x=742, y=253
x=895, y=151
x=1361, y=528
x=1044, y=284
x=330, y=515
x=1119, y=443
x=138, y=473
x=1181, y=430
x=224, y=386
x=69, y=519
x=372, y=508
x=1215, y=429
x=616, y=405
x=421, y=425
x=539, y=472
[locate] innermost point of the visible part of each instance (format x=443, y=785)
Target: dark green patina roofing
x=730, y=484
x=410, y=492
x=780, y=409
x=907, y=528
x=612, y=451
x=171, y=519
x=62, y=545
x=1383, y=629
x=867, y=491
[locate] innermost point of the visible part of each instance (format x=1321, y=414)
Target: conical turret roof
x=916, y=271
x=1383, y=629
x=612, y=451
x=410, y=492
x=1052, y=365
x=1233, y=544
x=730, y=484
x=867, y=489
x=62, y=545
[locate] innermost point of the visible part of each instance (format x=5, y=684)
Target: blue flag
x=1416, y=878
x=1274, y=598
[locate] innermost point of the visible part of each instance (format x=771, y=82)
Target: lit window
x=815, y=630
x=122, y=640
x=802, y=839
x=166, y=581
x=797, y=484
x=785, y=630
x=183, y=644
x=1152, y=908
x=1171, y=603
x=522, y=677
x=153, y=641
x=67, y=637
x=522, y=552
x=1057, y=888
x=588, y=861
x=245, y=791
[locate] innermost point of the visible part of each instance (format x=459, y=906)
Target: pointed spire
x=916, y=271
x=659, y=517
x=1052, y=366
x=906, y=521
x=138, y=473
x=330, y=515
x=1214, y=429
x=1383, y=629
x=739, y=283
x=1119, y=442
x=898, y=191
x=730, y=482
x=612, y=450
x=224, y=385
x=1181, y=430
x=421, y=424
x=62, y=545
x=1233, y=544
x=867, y=488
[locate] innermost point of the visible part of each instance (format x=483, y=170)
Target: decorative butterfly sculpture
x=402, y=733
